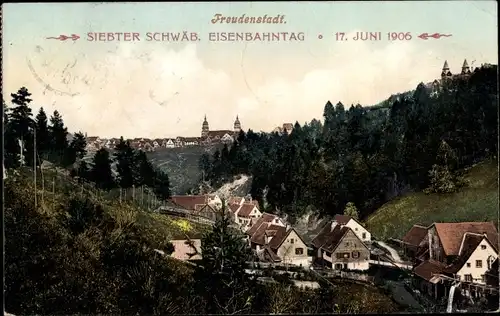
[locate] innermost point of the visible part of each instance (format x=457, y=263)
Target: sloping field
x=477, y=202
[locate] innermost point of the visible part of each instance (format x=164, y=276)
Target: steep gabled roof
x=189, y=202
x=265, y=218
x=415, y=235
x=342, y=219
x=281, y=234
x=451, y=234
x=259, y=236
x=469, y=244
x=428, y=268
x=335, y=238
x=246, y=209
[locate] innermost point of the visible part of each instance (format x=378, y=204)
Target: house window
x=479, y=263
x=355, y=254
x=339, y=255
x=292, y=241
x=347, y=244
x=468, y=264
x=299, y=251
x=364, y=235
x=356, y=229
x=483, y=247
x=468, y=277
x=346, y=255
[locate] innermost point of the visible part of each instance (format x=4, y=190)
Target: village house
x=243, y=214
x=168, y=143
x=286, y=128
x=189, y=202
x=235, y=200
x=415, y=243
x=94, y=143
x=156, y=143
x=337, y=246
x=363, y=234
x=459, y=254
x=214, y=200
x=200, y=205
x=275, y=242
x=207, y=211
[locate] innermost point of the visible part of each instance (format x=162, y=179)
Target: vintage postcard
x=250, y=157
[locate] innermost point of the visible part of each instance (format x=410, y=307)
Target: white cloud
x=136, y=92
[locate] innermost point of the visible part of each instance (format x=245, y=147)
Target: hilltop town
x=207, y=137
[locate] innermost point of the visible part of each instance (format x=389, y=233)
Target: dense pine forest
x=31, y=141
x=73, y=252
x=364, y=156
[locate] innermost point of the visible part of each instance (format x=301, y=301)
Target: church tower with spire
x=237, y=125
x=446, y=73
x=204, y=128
x=465, y=68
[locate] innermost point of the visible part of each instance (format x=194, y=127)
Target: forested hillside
x=367, y=156
x=74, y=245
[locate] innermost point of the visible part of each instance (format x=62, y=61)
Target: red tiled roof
x=451, y=234
x=256, y=203
x=427, y=269
x=279, y=237
x=189, y=202
x=342, y=219
x=259, y=236
x=235, y=200
x=335, y=238
x=327, y=236
x=265, y=218
x=246, y=209
x=415, y=235
x=233, y=208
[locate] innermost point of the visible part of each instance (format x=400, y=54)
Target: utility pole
x=21, y=145
x=34, y=161
x=142, y=195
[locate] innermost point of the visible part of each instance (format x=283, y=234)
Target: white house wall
x=359, y=266
x=478, y=254
x=359, y=230
x=287, y=250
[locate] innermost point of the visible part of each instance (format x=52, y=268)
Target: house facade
x=458, y=253
x=278, y=243
x=245, y=214
x=214, y=200
x=362, y=233
x=339, y=247
x=290, y=248
x=415, y=243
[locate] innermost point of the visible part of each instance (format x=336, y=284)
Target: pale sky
x=163, y=89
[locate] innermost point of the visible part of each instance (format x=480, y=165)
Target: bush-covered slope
x=478, y=201
x=78, y=253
